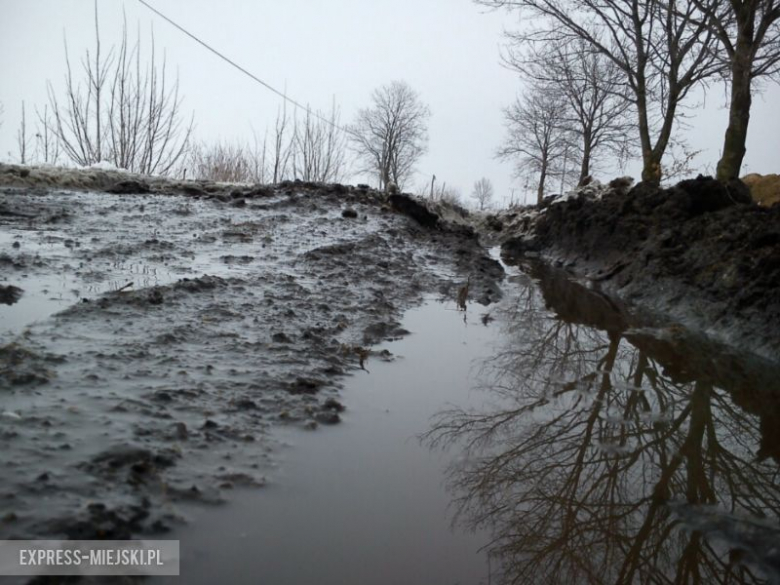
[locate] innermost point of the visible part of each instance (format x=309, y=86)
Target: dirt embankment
x=191, y=318
x=701, y=252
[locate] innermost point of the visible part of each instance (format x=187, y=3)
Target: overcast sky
x=447, y=50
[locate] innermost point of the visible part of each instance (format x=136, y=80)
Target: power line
x=244, y=71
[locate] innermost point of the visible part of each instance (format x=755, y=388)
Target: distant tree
x=483, y=193
x=599, y=113
x=391, y=135
x=749, y=33
x=537, y=135
x=224, y=162
x=663, y=50
x=47, y=146
x=22, y=139
x=309, y=149
x=122, y=112
x=319, y=147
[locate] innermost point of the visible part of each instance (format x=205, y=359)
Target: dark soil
x=701, y=252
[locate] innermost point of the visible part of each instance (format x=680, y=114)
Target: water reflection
x=615, y=454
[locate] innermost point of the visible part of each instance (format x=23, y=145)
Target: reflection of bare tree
x=598, y=467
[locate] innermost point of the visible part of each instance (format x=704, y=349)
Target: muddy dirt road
x=155, y=338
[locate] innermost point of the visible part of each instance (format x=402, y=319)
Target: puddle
x=363, y=502
x=617, y=450
x=570, y=441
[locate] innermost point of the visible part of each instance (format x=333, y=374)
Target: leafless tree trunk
x=390, y=136
x=281, y=146
x=129, y=115
x=47, y=146
x=483, y=193
x=662, y=49
x=536, y=133
x=22, y=140
x=749, y=33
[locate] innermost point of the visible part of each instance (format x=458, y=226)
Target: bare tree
x=319, y=147
x=230, y=163
x=536, y=134
x=663, y=49
x=22, y=139
x=599, y=115
x=47, y=146
x=281, y=146
x=749, y=33
x=483, y=193
x=390, y=136
x=123, y=112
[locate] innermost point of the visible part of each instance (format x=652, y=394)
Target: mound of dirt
x=701, y=251
x=765, y=189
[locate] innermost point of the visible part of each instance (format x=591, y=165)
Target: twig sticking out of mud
x=463, y=295
x=125, y=287
x=362, y=354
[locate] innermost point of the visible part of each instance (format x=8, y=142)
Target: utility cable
x=244, y=71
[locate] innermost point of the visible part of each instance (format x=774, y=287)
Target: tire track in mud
x=129, y=402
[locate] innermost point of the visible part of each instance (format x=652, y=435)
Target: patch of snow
x=593, y=190
x=104, y=165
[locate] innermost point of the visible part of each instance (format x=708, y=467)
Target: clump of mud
x=702, y=251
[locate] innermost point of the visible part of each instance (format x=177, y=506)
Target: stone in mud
x=416, y=210
x=10, y=294
x=331, y=404
x=261, y=191
x=383, y=331
x=180, y=431
x=349, y=213
x=195, y=191
x=245, y=404
x=327, y=417
x=155, y=297
x=128, y=187
x=305, y=386
x=231, y=480
x=494, y=223
x=280, y=338
x=132, y=456
x=99, y=522
x=203, y=283
x=21, y=367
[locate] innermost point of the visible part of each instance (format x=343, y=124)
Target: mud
x=165, y=331
x=700, y=252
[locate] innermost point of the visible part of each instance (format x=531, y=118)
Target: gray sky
x=447, y=50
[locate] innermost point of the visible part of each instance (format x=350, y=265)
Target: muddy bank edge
x=702, y=252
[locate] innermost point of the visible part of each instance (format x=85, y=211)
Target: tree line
x=600, y=71
x=121, y=106
x=606, y=80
